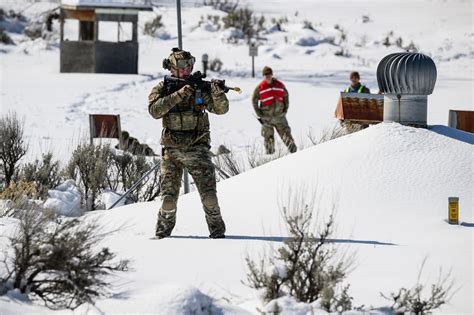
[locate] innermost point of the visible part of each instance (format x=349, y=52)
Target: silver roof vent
x=406, y=80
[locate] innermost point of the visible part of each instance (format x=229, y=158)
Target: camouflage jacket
x=277, y=109
x=184, y=124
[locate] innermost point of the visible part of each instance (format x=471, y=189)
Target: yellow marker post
x=453, y=210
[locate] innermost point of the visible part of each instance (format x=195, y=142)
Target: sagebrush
x=58, y=260
x=44, y=173
x=13, y=145
x=152, y=26
x=124, y=170
x=418, y=299
x=307, y=266
x=88, y=167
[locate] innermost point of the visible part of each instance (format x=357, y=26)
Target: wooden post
x=91, y=128
x=119, y=132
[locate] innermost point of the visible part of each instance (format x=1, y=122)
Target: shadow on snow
x=282, y=239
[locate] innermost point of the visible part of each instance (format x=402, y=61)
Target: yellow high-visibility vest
x=359, y=90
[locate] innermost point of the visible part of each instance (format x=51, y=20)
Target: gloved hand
x=216, y=89
x=186, y=92
x=258, y=111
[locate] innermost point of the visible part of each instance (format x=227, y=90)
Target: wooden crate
x=361, y=108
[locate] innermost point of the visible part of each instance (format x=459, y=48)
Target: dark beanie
x=267, y=70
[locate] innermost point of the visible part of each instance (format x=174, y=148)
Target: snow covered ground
x=391, y=183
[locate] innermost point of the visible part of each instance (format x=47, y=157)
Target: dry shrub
x=44, y=173
x=125, y=170
x=334, y=132
x=56, y=260
x=227, y=165
x=152, y=26
x=12, y=145
x=17, y=196
x=88, y=167
x=256, y=155
x=417, y=301
x=307, y=266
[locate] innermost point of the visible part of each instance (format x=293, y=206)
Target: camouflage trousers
x=197, y=160
x=281, y=125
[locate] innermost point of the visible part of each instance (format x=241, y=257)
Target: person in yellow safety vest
x=356, y=86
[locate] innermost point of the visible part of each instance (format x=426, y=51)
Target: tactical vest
x=270, y=93
x=350, y=89
x=184, y=125
x=184, y=116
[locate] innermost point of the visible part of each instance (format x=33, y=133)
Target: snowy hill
x=391, y=184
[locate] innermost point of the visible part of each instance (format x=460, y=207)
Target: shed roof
x=117, y=4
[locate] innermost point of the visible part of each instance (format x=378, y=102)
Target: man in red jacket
x=270, y=102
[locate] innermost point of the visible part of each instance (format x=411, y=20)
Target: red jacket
x=269, y=93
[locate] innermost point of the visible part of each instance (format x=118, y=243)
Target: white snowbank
x=65, y=199
x=391, y=183
x=109, y=197
x=166, y=300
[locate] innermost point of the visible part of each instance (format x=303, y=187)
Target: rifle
x=196, y=81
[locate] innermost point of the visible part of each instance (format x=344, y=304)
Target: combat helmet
x=178, y=59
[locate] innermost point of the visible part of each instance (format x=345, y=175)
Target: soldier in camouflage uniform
x=186, y=143
x=270, y=102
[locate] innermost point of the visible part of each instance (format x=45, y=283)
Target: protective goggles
x=184, y=63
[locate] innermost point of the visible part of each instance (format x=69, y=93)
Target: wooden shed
x=87, y=53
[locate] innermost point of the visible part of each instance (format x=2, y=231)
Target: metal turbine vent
x=406, y=80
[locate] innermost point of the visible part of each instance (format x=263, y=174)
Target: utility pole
x=180, y=46
x=180, y=35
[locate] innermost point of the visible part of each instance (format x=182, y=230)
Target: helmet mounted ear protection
x=166, y=64
x=178, y=59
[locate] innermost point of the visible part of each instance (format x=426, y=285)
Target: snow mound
x=207, y=26
x=311, y=41
x=391, y=184
x=65, y=199
x=168, y=300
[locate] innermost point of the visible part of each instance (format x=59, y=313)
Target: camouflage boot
x=292, y=147
x=166, y=217
x=270, y=145
x=214, y=219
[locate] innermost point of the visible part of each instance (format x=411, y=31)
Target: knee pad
x=210, y=200
x=169, y=204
